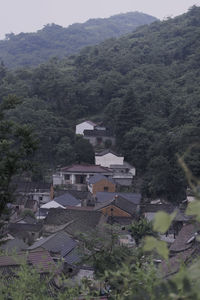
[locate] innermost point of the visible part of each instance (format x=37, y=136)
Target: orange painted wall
x=99, y=186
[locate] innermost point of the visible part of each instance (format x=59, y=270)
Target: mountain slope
x=27, y=49
x=145, y=86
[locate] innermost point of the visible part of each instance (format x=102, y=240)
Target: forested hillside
x=28, y=49
x=145, y=86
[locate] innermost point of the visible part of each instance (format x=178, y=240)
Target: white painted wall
x=45, y=197
x=133, y=171
x=109, y=159
x=83, y=126
x=57, y=179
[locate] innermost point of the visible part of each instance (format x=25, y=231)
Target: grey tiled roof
x=157, y=207
x=105, y=196
x=80, y=195
x=98, y=177
x=28, y=220
x=67, y=199
x=180, y=243
x=73, y=257
x=26, y=186
x=13, y=245
x=59, y=242
x=121, y=203
x=40, y=259
x=18, y=228
x=77, y=220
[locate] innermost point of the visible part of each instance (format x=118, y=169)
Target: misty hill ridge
x=26, y=49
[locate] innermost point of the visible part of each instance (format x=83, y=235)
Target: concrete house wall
x=84, y=126
x=109, y=159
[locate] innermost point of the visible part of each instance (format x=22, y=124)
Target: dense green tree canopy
x=144, y=86
x=28, y=49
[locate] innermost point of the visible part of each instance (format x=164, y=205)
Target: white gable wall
x=109, y=159
x=83, y=126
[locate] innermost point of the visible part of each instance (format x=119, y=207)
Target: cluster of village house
x=83, y=198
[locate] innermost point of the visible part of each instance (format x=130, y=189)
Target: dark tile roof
x=125, y=205
x=40, y=259
x=16, y=228
x=15, y=244
x=67, y=199
x=157, y=207
x=86, y=208
x=104, y=152
x=74, y=256
x=80, y=195
x=27, y=220
x=173, y=264
x=59, y=242
x=98, y=177
x=86, y=169
x=27, y=186
x=105, y=196
x=121, y=203
x=181, y=241
x=77, y=220
x=100, y=133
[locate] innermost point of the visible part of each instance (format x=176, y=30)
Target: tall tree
x=129, y=116
x=17, y=145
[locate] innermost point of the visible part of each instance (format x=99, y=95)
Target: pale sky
x=30, y=15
